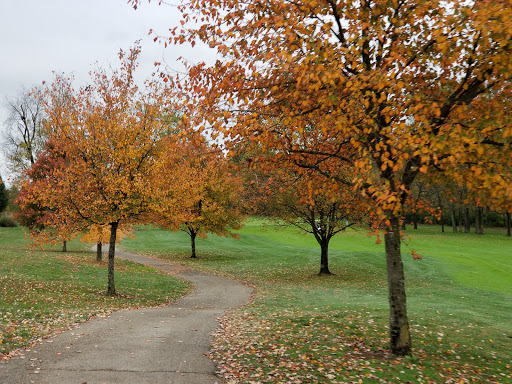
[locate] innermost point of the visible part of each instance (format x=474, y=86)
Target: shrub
x=7, y=221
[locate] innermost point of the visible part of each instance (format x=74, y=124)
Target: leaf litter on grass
x=296, y=347
x=40, y=297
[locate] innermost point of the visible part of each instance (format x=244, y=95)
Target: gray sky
x=41, y=36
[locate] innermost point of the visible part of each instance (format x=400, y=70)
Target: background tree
x=394, y=88
x=294, y=198
x=199, y=193
x=23, y=134
x=100, y=235
x=47, y=223
x=4, y=196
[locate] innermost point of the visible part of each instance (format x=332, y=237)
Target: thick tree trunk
x=454, y=220
x=111, y=288
x=324, y=258
x=398, y=322
x=509, y=224
x=64, y=246
x=99, y=253
x=467, y=222
x=193, y=243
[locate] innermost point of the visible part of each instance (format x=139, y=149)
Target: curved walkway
x=154, y=345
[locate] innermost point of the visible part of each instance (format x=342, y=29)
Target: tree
x=47, y=223
x=100, y=235
x=395, y=88
x=24, y=133
x=292, y=198
x=109, y=133
x=198, y=192
x=4, y=196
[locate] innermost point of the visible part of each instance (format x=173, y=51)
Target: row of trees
x=371, y=95
x=113, y=156
x=339, y=104
x=453, y=205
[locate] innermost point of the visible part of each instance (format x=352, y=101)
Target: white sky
x=41, y=36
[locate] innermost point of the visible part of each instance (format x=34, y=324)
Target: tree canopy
x=391, y=88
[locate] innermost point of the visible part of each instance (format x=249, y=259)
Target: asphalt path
x=167, y=344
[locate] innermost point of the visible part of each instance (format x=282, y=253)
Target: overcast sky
x=41, y=36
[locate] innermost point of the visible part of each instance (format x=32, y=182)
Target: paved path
x=154, y=345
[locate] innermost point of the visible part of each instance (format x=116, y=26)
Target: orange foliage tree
x=48, y=223
x=109, y=133
x=298, y=197
x=198, y=192
x=394, y=88
x=314, y=211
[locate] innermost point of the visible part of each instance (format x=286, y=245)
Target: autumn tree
x=198, y=193
x=47, y=224
x=395, y=88
x=109, y=134
x=23, y=134
x=291, y=197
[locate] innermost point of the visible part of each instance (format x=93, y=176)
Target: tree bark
x=467, y=222
x=324, y=258
x=99, y=253
x=398, y=322
x=440, y=205
x=111, y=288
x=193, y=243
x=479, y=225
x=454, y=220
x=509, y=224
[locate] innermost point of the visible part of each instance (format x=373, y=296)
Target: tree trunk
x=479, y=224
x=64, y=246
x=440, y=205
x=99, y=253
x=467, y=222
x=454, y=220
x=509, y=224
x=461, y=221
x=398, y=323
x=111, y=289
x=193, y=243
x=324, y=258
x=415, y=220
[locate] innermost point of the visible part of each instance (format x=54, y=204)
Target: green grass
x=45, y=291
x=328, y=329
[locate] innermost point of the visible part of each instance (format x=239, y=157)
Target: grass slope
x=305, y=328
x=42, y=292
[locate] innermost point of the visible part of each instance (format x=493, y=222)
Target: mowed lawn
x=43, y=292
x=305, y=328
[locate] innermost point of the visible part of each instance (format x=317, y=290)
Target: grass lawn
x=42, y=292
x=305, y=328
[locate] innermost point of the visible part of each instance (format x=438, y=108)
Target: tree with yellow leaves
x=108, y=134
x=198, y=193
